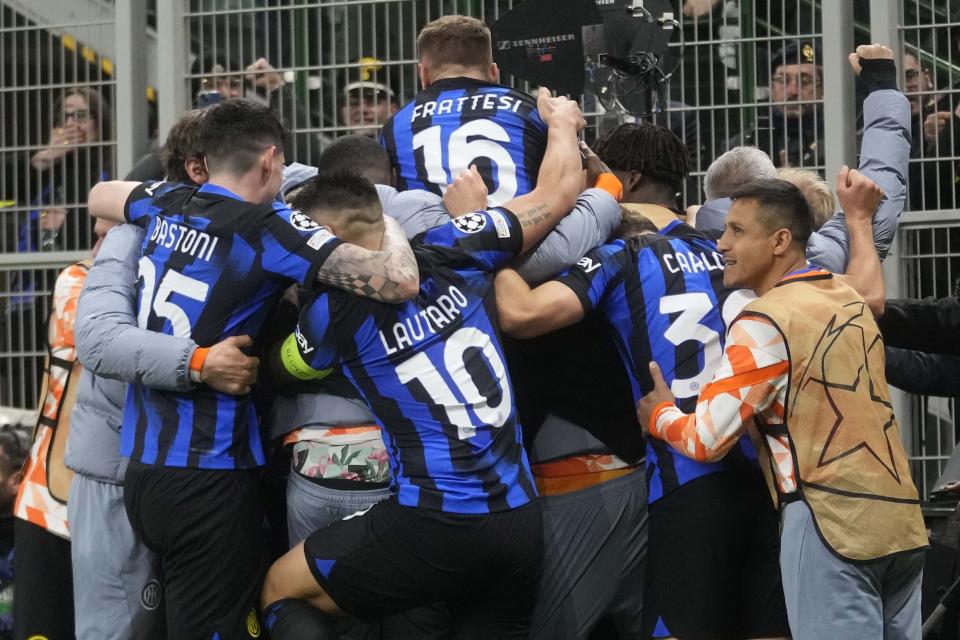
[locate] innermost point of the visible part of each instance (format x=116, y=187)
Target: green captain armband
x=294, y=363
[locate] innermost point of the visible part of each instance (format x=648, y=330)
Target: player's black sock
x=290, y=619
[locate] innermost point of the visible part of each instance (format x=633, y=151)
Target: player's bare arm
x=467, y=193
x=107, y=199
x=560, y=180
x=388, y=275
x=860, y=197
x=526, y=313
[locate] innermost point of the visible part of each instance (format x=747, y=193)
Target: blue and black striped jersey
x=457, y=122
x=663, y=296
x=212, y=267
x=432, y=370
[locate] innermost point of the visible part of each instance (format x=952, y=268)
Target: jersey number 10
x=420, y=368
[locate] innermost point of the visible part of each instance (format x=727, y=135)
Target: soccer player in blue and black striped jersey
x=463, y=525
x=462, y=117
x=215, y=259
x=663, y=299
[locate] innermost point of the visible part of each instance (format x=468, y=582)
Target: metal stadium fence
x=150, y=61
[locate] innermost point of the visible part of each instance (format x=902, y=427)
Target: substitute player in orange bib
x=803, y=372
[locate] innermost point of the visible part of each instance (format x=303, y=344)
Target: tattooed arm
x=388, y=275
x=560, y=180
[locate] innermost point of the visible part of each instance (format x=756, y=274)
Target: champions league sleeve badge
x=471, y=223
x=302, y=222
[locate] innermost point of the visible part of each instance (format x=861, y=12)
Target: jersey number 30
x=420, y=368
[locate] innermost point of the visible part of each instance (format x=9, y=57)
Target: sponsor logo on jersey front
x=471, y=223
x=588, y=264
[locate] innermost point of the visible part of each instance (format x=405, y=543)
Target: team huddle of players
x=455, y=365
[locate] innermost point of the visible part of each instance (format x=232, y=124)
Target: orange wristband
x=653, y=418
x=196, y=362
x=609, y=183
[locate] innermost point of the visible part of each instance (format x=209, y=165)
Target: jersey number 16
x=475, y=139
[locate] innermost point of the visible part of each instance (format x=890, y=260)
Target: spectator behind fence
x=70, y=166
x=917, y=83
x=791, y=132
x=259, y=81
x=67, y=168
x=935, y=122
x=366, y=101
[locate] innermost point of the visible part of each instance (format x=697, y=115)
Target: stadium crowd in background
x=511, y=387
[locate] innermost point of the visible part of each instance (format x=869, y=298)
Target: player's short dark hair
x=337, y=191
x=235, y=132
x=183, y=141
x=14, y=447
x=648, y=149
x=633, y=224
x=357, y=154
x=455, y=40
x=782, y=206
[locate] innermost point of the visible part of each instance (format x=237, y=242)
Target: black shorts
x=207, y=528
x=392, y=558
x=43, y=583
x=713, y=561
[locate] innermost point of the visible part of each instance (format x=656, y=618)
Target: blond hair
x=815, y=190
x=455, y=40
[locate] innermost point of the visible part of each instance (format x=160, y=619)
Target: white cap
x=369, y=84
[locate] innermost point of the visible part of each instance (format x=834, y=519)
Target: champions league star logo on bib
x=470, y=223
x=302, y=222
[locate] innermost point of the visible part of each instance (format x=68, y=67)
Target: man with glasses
x=791, y=130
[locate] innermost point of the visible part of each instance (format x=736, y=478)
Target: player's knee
x=289, y=577
x=273, y=587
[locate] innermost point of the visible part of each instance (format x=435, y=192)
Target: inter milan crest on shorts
x=471, y=223
x=253, y=624
x=150, y=595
